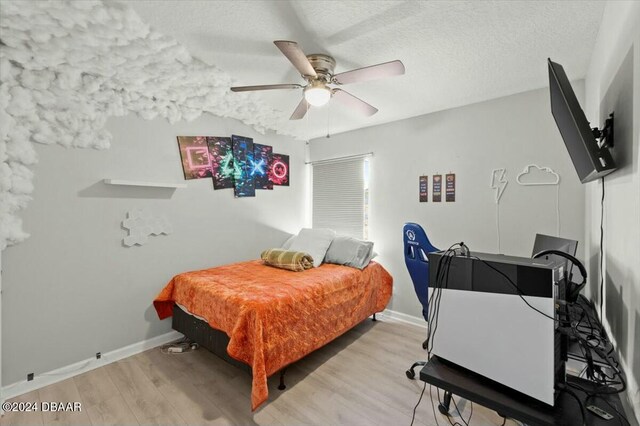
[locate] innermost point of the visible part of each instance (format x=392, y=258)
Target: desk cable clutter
x=571, y=319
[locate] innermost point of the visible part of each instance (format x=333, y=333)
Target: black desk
x=507, y=402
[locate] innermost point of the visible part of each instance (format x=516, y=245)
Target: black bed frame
x=214, y=340
x=202, y=333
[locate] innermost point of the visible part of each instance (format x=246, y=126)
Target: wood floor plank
x=169, y=378
x=65, y=392
x=143, y=398
x=95, y=386
x=112, y=411
x=19, y=418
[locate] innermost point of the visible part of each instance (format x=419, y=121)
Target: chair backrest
x=416, y=246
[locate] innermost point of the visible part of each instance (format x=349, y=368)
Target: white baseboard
x=63, y=373
x=408, y=319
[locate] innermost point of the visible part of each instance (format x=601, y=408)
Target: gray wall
x=613, y=84
x=470, y=141
x=72, y=289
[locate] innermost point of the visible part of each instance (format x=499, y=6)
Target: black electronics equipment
x=547, y=242
x=556, y=249
x=588, y=148
x=572, y=288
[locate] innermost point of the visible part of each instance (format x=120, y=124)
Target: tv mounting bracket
x=604, y=135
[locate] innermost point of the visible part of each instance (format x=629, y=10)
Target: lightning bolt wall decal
x=499, y=182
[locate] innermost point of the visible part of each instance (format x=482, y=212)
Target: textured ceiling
x=455, y=52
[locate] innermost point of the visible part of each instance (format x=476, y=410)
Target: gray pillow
x=350, y=252
x=314, y=242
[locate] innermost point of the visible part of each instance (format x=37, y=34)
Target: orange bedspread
x=274, y=317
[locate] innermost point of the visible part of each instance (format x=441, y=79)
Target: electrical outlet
x=29, y=377
x=98, y=355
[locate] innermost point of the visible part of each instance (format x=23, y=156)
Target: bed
x=274, y=317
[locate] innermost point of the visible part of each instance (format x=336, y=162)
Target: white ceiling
x=455, y=52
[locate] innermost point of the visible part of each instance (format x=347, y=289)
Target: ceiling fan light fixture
x=317, y=95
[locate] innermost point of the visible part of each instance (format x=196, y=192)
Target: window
x=341, y=196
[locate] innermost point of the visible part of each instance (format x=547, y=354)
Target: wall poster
x=222, y=165
x=279, y=170
x=437, y=188
x=450, y=189
x=424, y=189
x=194, y=153
x=244, y=185
x=262, y=158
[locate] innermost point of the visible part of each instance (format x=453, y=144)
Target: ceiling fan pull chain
x=328, y=114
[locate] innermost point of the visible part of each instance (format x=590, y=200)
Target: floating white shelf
x=138, y=183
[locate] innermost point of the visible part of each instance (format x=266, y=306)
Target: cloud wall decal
x=536, y=175
x=67, y=66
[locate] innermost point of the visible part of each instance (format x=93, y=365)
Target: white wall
x=613, y=84
x=470, y=141
x=72, y=289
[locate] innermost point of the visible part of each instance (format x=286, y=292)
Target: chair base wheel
x=443, y=410
x=424, y=345
x=410, y=374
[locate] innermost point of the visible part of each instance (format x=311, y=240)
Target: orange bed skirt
x=274, y=317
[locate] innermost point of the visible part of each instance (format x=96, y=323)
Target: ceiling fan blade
x=387, y=69
x=300, y=110
x=292, y=51
x=351, y=101
x=265, y=87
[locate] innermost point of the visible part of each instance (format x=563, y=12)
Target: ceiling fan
x=317, y=70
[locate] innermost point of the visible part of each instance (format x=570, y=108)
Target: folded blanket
x=285, y=259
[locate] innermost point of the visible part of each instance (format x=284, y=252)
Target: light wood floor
x=358, y=379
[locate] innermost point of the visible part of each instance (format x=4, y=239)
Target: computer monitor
x=547, y=242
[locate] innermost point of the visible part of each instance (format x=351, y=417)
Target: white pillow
x=314, y=242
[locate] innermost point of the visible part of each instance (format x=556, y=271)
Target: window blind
x=338, y=196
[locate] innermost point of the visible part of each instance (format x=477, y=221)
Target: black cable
x=433, y=407
x=582, y=409
x=603, y=385
x=602, y=249
x=442, y=276
x=504, y=421
x=418, y=403
x=448, y=416
x=460, y=414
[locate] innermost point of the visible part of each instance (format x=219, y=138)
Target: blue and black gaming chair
x=416, y=246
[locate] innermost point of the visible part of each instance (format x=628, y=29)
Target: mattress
x=186, y=311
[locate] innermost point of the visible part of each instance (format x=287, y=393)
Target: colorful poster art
x=424, y=189
x=244, y=185
x=262, y=157
x=279, y=170
x=450, y=188
x=222, y=164
x=437, y=188
x=195, y=157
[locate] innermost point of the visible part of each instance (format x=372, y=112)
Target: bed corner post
x=282, y=386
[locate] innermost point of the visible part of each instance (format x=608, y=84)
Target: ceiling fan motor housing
x=323, y=65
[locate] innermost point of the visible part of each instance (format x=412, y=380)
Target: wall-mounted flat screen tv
x=589, y=159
